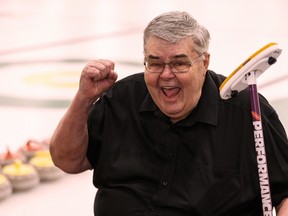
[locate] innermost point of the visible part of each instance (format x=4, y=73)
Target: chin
x=173, y=114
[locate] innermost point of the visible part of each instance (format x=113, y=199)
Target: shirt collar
x=205, y=111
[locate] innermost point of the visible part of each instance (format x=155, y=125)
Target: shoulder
x=217, y=79
x=124, y=94
x=132, y=81
x=130, y=88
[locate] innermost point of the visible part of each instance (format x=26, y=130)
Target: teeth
x=168, y=87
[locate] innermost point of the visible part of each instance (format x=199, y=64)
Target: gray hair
x=174, y=26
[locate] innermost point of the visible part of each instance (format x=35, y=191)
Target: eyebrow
x=174, y=57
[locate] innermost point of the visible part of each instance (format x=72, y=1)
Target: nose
x=167, y=72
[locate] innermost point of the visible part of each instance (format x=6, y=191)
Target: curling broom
x=245, y=76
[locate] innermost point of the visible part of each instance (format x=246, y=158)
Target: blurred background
x=45, y=44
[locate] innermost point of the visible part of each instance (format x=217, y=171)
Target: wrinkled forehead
x=151, y=39
x=157, y=48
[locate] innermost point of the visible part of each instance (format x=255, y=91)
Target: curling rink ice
x=45, y=44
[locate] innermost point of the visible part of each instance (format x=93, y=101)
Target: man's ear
x=206, y=63
x=206, y=60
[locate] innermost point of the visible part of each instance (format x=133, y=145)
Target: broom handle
x=263, y=175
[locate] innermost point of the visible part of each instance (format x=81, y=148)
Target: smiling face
x=176, y=94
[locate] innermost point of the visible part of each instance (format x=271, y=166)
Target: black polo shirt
x=203, y=165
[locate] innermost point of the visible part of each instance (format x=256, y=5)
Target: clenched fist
x=97, y=77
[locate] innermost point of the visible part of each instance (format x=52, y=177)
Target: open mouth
x=170, y=91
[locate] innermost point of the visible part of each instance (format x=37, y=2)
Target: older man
x=163, y=142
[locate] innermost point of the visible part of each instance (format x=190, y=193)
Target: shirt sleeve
x=95, y=130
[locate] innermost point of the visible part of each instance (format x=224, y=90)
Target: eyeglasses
x=176, y=66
